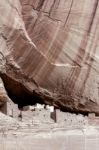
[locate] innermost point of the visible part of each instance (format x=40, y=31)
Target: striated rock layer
x=49, y=53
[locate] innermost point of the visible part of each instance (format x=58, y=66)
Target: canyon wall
x=49, y=53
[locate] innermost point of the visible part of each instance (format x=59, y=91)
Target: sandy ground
x=16, y=135
x=50, y=140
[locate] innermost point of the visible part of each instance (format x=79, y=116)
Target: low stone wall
x=68, y=119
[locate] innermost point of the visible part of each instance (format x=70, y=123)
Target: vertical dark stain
x=74, y=73
x=40, y=4
x=53, y=4
x=68, y=13
x=93, y=15
x=90, y=60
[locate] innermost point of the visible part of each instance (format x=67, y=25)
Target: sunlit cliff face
x=51, y=51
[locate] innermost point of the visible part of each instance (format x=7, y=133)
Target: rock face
x=3, y=94
x=49, y=53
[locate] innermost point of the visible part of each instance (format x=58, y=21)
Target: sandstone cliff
x=49, y=53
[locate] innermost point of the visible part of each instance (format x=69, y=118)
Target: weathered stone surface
x=3, y=94
x=49, y=52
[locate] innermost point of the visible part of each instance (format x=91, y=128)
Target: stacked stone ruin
x=41, y=114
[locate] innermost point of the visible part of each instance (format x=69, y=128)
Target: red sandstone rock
x=51, y=46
